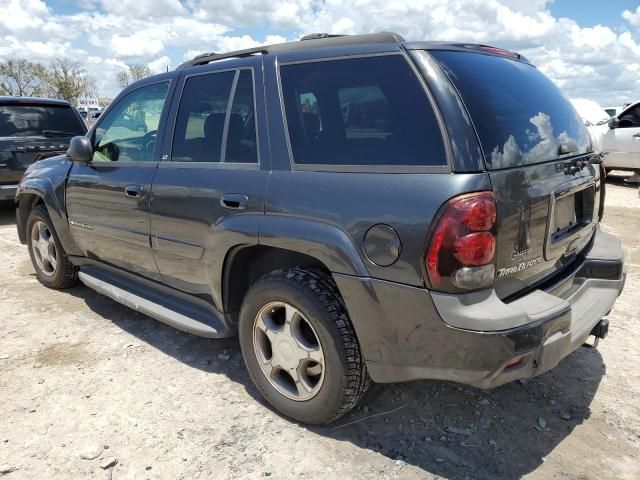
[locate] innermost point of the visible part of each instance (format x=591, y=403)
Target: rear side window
x=206, y=129
x=24, y=120
x=360, y=112
x=521, y=117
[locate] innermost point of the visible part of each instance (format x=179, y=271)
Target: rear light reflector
x=515, y=363
x=461, y=253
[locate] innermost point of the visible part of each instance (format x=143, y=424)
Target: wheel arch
x=285, y=242
x=244, y=264
x=40, y=191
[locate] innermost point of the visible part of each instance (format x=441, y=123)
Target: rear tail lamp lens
x=475, y=248
x=461, y=253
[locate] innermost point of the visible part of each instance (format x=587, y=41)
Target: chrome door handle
x=134, y=191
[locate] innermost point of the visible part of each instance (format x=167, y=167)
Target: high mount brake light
x=499, y=51
x=461, y=254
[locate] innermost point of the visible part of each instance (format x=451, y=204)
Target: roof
x=32, y=100
x=315, y=40
x=320, y=40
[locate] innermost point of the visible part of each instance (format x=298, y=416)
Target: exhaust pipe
x=600, y=330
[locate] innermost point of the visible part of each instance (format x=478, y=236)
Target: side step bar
x=149, y=307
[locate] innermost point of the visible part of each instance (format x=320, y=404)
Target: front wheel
x=299, y=346
x=49, y=259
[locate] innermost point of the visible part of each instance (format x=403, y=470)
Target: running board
x=148, y=307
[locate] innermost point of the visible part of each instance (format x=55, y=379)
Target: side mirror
x=613, y=122
x=80, y=150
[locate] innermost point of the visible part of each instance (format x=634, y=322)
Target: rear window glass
x=521, y=116
x=23, y=120
x=362, y=111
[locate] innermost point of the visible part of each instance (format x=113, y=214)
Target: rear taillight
x=461, y=254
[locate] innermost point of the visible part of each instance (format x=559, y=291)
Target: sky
x=590, y=48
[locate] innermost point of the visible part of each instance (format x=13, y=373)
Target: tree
x=22, y=78
x=68, y=80
x=133, y=73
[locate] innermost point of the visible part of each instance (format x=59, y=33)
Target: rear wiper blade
x=58, y=133
x=567, y=147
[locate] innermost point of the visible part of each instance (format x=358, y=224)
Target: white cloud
x=593, y=62
x=632, y=17
x=144, y=8
x=159, y=65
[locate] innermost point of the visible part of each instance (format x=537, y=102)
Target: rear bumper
x=8, y=192
x=409, y=333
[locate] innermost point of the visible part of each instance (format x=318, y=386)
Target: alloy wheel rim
x=288, y=351
x=43, y=247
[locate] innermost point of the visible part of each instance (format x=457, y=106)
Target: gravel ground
x=86, y=383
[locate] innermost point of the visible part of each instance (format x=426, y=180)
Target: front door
x=212, y=177
x=108, y=198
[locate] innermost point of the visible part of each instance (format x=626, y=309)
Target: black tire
x=65, y=274
x=315, y=295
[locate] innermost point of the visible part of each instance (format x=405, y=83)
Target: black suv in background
x=32, y=129
x=354, y=207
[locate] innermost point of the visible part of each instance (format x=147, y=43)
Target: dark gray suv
x=355, y=208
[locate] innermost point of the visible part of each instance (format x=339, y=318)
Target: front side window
x=204, y=118
x=630, y=118
x=360, y=112
x=128, y=132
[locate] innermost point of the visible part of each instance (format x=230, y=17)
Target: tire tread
x=326, y=291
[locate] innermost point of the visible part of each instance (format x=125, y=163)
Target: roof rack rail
x=308, y=41
x=205, y=58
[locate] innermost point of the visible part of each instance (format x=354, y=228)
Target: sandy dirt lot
x=82, y=376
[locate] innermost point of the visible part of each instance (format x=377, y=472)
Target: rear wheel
x=49, y=259
x=299, y=346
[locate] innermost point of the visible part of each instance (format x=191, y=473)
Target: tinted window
x=520, y=115
x=363, y=111
x=241, y=139
x=127, y=133
x=31, y=119
x=630, y=118
x=200, y=124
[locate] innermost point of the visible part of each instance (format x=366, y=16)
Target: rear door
x=537, y=153
x=108, y=198
x=214, y=171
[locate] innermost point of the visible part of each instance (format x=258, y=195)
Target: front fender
x=327, y=243
x=45, y=181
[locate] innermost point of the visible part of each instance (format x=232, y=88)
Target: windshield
x=521, y=117
x=23, y=120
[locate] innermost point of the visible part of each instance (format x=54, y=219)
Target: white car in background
x=621, y=139
x=595, y=118
x=613, y=111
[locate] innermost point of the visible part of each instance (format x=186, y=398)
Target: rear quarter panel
x=354, y=202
